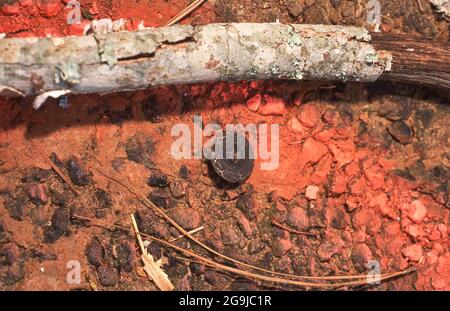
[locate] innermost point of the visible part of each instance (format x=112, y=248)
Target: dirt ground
x=364, y=168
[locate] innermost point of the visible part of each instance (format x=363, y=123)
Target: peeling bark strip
x=128, y=61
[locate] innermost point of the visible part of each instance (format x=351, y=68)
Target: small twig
x=251, y=275
x=91, y=283
x=284, y=227
x=420, y=5
x=55, y=168
x=186, y=11
x=190, y=232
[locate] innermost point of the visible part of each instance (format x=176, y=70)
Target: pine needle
x=250, y=275
x=185, y=12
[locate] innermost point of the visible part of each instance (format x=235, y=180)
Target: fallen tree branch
x=127, y=61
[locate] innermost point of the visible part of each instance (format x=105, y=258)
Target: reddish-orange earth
x=364, y=167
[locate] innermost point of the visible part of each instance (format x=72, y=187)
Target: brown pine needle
x=185, y=12
x=166, y=217
x=190, y=232
x=54, y=167
x=250, y=275
x=152, y=268
x=281, y=226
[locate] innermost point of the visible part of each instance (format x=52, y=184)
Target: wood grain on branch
x=414, y=59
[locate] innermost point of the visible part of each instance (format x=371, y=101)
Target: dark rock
x=400, y=132
x=59, y=226
x=117, y=164
x=295, y=8
x=41, y=255
x=56, y=160
x=229, y=235
x=9, y=254
x=16, y=207
x=152, y=110
x=149, y=224
x=215, y=279
x=14, y=274
x=39, y=174
x=425, y=116
x=59, y=198
x=158, y=199
x=335, y=3
x=337, y=218
x=187, y=218
x=184, y=172
x=255, y=246
x=107, y=276
x=360, y=256
x=297, y=218
x=3, y=231
x=78, y=174
x=177, y=189
x=155, y=250
x=94, y=253
x=126, y=256
x=246, y=204
x=37, y=194
x=158, y=180
x=197, y=268
x=104, y=198
x=140, y=149
x=39, y=216
x=394, y=108
x=266, y=261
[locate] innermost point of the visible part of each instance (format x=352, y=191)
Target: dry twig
x=281, y=226
x=185, y=12
x=54, y=167
x=190, y=232
x=213, y=264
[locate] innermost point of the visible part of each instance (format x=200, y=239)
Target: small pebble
x=400, y=132
x=158, y=180
x=107, y=276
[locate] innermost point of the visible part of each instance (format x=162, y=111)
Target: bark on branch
x=216, y=52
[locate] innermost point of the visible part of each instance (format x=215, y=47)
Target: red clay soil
x=363, y=167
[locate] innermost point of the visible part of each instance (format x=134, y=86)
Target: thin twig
x=214, y=264
x=55, y=168
x=190, y=232
x=186, y=11
x=420, y=5
x=281, y=226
